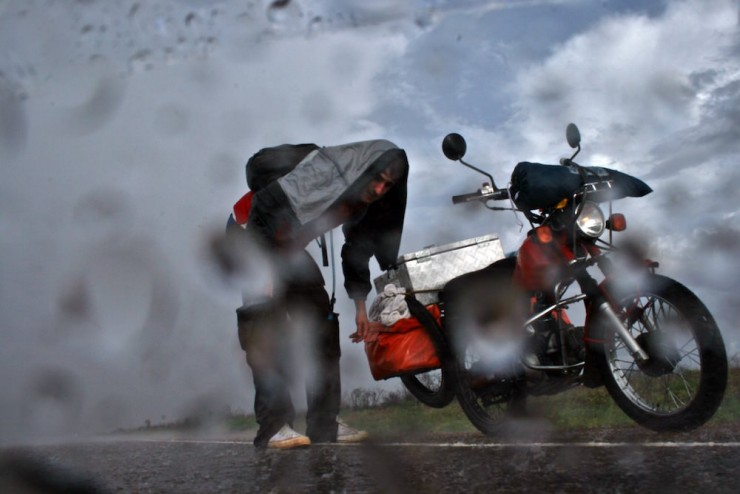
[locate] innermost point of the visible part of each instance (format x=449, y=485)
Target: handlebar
x=466, y=197
x=482, y=195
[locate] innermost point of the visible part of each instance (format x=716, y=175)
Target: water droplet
x=234, y=262
x=190, y=18
x=316, y=24
x=53, y=401
x=102, y=207
x=134, y=10
x=100, y=108
x=74, y=301
x=284, y=14
x=13, y=121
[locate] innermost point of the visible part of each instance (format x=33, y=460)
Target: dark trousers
x=264, y=336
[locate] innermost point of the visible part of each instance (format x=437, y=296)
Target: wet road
x=630, y=460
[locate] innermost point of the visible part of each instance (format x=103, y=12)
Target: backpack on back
x=269, y=164
x=265, y=166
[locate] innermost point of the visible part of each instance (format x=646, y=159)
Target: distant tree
x=360, y=398
x=396, y=397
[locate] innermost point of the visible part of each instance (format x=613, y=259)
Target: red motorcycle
x=570, y=309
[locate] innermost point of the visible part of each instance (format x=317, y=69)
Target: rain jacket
x=318, y=195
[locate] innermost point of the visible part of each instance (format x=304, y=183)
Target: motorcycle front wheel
x=682, y=383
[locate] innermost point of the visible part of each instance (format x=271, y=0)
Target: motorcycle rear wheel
x=488, y=403
x=433, y=388
x=683, y=383
x=483, y=314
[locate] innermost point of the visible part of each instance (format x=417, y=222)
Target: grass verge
x=576, y=409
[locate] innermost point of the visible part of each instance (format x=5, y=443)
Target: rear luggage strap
x=325, y=261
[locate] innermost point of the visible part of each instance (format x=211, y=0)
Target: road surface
x=528, y=459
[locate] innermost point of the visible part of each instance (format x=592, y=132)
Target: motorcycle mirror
x=454, y=146
x=573, y=135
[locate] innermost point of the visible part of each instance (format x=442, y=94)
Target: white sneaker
x=346, y=434
x=287, y=438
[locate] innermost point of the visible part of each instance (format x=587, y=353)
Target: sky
x=125, y=126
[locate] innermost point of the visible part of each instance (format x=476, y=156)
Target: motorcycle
x=510, y=331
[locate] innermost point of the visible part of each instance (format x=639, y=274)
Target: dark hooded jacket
x=318, y=195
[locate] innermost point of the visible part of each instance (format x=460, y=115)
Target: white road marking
x=576, y=444
x=594, y=444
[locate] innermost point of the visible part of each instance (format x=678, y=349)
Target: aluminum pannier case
x=425, y=272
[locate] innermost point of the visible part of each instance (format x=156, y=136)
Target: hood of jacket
x=329, y=172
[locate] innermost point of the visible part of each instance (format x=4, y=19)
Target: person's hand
x=363, y=328
x=361, y=321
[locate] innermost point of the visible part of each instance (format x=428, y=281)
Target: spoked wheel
x=483, y=315
x=430, y=388
x=682, y=383
x=434, y=388
x=488, y=396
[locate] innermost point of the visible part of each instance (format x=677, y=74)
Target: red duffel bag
x=402, y=348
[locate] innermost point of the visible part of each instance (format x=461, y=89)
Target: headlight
x=591, y=220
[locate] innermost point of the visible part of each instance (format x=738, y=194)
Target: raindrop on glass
x=284, y=14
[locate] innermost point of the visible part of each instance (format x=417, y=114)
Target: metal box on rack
x=425, y=272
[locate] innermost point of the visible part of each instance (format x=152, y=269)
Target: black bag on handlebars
x=538, y=186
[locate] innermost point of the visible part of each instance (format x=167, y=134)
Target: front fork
x=616, y=325
x=609, y=316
